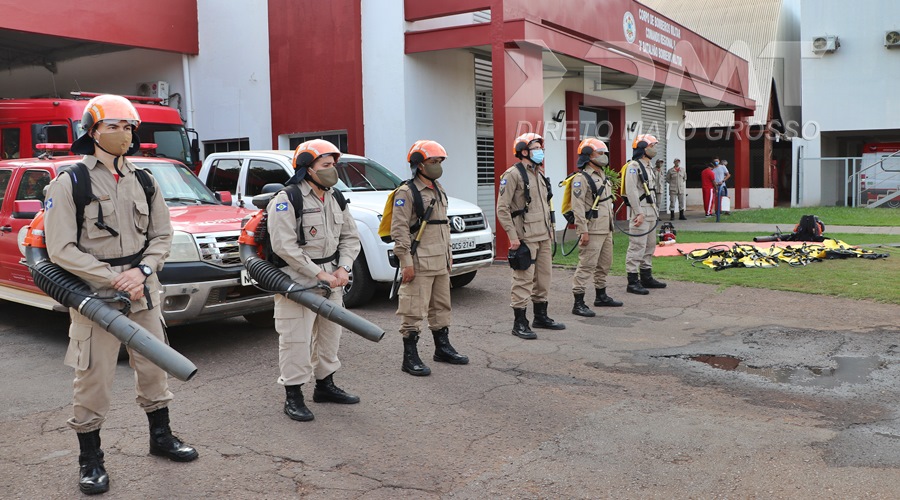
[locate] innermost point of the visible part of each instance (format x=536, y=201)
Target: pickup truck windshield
x=179, y=185
x=171, y=140
x=366, y=175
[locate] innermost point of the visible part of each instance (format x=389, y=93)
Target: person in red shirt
x=708, y=185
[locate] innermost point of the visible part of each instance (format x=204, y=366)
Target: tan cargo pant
x=533, y=283
x=641, y=248
x=424, y=296
x=93, y=352
x=594, y=261
x=307, y=343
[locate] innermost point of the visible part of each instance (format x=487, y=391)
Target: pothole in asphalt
x=849, y=370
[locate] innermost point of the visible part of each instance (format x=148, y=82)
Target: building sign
x=655, y=36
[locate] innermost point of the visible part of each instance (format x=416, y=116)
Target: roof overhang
x=696, y=73
x=45, y=32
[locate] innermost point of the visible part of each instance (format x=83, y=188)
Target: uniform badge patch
x=502, y=182
x=577, y=184
x=311, y=210
x=49, y=204
x=281, y=207
x=400, y=202
x=632, y=170
x=576, y=192
x=313, y=231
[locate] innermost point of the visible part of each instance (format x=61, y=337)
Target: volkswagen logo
x=459, y=225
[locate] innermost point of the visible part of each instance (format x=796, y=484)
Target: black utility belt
x=324, y=260
x=133, y=260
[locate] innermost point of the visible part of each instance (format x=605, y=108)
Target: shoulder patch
x=281, y=207
x=400, y=202
x=632, y=170
x=576, y=184
x=502, y=182
x=49, y=204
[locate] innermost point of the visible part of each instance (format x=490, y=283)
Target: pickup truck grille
x=220, y=249
x=473, y=222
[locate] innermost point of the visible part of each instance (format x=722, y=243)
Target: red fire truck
x=25, y=123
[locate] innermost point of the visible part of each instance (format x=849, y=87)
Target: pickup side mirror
x=26, y=209
x=224, y=197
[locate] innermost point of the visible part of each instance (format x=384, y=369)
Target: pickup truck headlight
x=184, y=249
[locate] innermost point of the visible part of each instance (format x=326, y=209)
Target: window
x=338, y=138
x=225, y=146
x=594, y=123
x=32, y=185
x=223, y=175
x=5, y=175
x=9, y=140
x=263, y=172
x=484, y=151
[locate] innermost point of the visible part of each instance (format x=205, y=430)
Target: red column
x=518, y=84
x=741, y=170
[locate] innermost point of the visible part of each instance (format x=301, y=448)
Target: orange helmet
x=523, y=141
x=589, y=145
x=310, y=151
x=423, y=150
x=101, y=108
x=647, y=139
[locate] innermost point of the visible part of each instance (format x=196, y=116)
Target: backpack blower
x=272, y=279
x=70, y=291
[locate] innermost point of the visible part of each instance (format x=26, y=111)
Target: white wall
x=230, y=78
x=384, y=88
x=440, y=105
x=854, y=88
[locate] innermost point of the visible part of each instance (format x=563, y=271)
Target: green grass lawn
x=850, y=278
x=786, y=218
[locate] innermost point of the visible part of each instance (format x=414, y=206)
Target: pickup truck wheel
x=462, y=280
x=264, y=319
x=361, y=287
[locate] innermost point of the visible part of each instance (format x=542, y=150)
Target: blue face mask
x=537, y=156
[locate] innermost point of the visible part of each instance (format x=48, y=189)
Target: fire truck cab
x=25, y=123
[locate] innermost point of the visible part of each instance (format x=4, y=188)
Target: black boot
x=541, y=320
x=520, y=325
x=327, y=392
x=443, y=351
x=294, y=406
x=94, y=478
x=412, y=364
x=648, y=281
x=634, y=285
x=604, y=300
x=580, y=308
x=163, y=443
x=671, y=215
x=681, y=215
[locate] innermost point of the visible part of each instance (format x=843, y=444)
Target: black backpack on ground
x=810, y=228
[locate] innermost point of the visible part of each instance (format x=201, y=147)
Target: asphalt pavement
x=694, y=391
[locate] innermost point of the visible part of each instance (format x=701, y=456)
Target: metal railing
x=871, y=185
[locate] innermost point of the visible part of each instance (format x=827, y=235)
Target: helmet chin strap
x=310, y=179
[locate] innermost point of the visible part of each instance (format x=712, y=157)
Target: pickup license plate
x=465, y=244
x=246, y=280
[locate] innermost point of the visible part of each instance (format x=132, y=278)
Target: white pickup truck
x=366, y=184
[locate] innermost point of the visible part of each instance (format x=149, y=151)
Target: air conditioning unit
x=892, y=39
x=159, y=89
x=825, y=44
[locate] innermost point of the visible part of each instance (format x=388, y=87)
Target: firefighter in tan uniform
x=120, y=247
x=523, y=211
x=319, y=246
x=425, y=284
x=676, y=177
x=639, y=258
x=592, y=207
